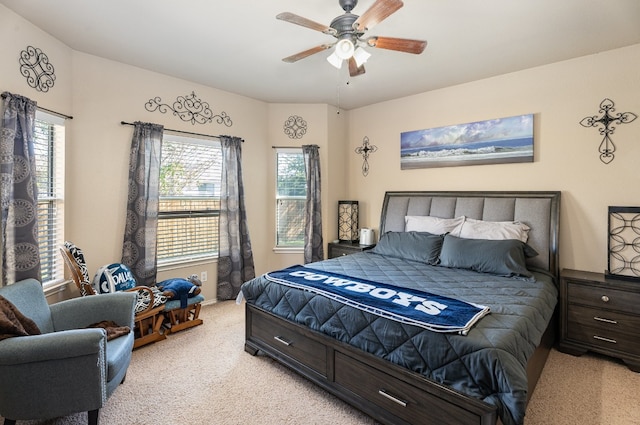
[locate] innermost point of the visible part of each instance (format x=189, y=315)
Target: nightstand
x=337, y=249
x=601, y=315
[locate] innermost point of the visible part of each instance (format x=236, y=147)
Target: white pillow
x=496, y=230
x=433, y=225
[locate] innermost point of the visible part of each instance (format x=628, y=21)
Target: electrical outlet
x=203, y=276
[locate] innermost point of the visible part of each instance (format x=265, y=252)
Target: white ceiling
x=238, y=45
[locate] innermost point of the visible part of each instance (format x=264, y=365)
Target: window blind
x=291, y=193
x=190, y=176
x=49, y=147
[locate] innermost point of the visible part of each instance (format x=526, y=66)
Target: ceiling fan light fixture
x=334, y=60
x=349, y=32
x=361, y=56
x=344, y=49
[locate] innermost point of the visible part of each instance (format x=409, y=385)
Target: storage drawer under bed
x=393, y=395
x=371, y=384
x=286, y=340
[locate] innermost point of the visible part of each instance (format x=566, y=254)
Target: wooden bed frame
x=389, y=393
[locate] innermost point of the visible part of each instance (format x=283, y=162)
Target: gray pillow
x=417, y=246
x=500, y=257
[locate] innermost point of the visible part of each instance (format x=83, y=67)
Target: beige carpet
x=204, y=376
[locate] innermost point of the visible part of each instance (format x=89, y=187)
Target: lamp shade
x=348, y=221
x=334, y=60
x=360, y=55
x=344, y=49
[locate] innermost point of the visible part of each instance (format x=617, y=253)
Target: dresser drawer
x=340, y=251
x=601, y=297
x=605, y=329
x=600, y=313
x=397, y=397
x=307, y=351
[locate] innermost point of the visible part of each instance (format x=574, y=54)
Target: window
x=48, y=143
x=189, y=206
x=291, y=195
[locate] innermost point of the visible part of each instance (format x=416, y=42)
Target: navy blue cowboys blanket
x=406, y=305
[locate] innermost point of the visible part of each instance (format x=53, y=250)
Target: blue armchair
x=68, y=368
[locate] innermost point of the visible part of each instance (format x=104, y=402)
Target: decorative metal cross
x=607, y=148
x=365, y=150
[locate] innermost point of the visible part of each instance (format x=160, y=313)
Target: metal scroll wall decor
x=35, y=67
x=295, y=127
x=365, y=150
x=189, y=108
x=607, y=148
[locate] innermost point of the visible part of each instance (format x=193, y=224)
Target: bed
x=402, y=373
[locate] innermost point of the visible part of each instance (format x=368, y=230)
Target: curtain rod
x=178, y=131
x=61, y=115
x=285, y=147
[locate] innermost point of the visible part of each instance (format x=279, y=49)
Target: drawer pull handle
x=601, y=338
x=282, y=340
x=384, y=393
x=602, y=319
x=604, y=298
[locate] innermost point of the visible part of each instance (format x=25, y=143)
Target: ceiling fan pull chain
x=338, y=91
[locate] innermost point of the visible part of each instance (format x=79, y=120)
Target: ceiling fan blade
x=309, y=52
x=308, y=23
x=379, y=11
x=354, y=69
x=399, y=44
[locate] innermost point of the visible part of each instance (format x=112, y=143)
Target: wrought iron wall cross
x=365, y=150
x=607, y=148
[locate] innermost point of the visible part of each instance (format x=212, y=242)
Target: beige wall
x=106, y=93
x=566, y=154
x=100, y=93
x=327, y=129
x=15, y=35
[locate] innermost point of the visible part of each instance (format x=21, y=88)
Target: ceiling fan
x=349, y=31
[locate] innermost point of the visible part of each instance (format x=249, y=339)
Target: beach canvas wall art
x=495, y=141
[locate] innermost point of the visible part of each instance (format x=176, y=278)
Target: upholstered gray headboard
x=538, y=210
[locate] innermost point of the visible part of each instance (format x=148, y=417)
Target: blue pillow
x=500, y=257
x=417, y=246
x=113, y=277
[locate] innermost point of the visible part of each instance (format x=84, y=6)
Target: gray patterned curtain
x=313, y=244
x=235, y=258
x=20, y=250
x=140, y=233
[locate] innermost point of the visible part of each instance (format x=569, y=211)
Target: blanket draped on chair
x=112, y=328
x=13, y=322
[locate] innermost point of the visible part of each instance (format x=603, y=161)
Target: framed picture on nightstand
x=624, y=243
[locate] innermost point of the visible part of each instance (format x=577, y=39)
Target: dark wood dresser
x=600, y=314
